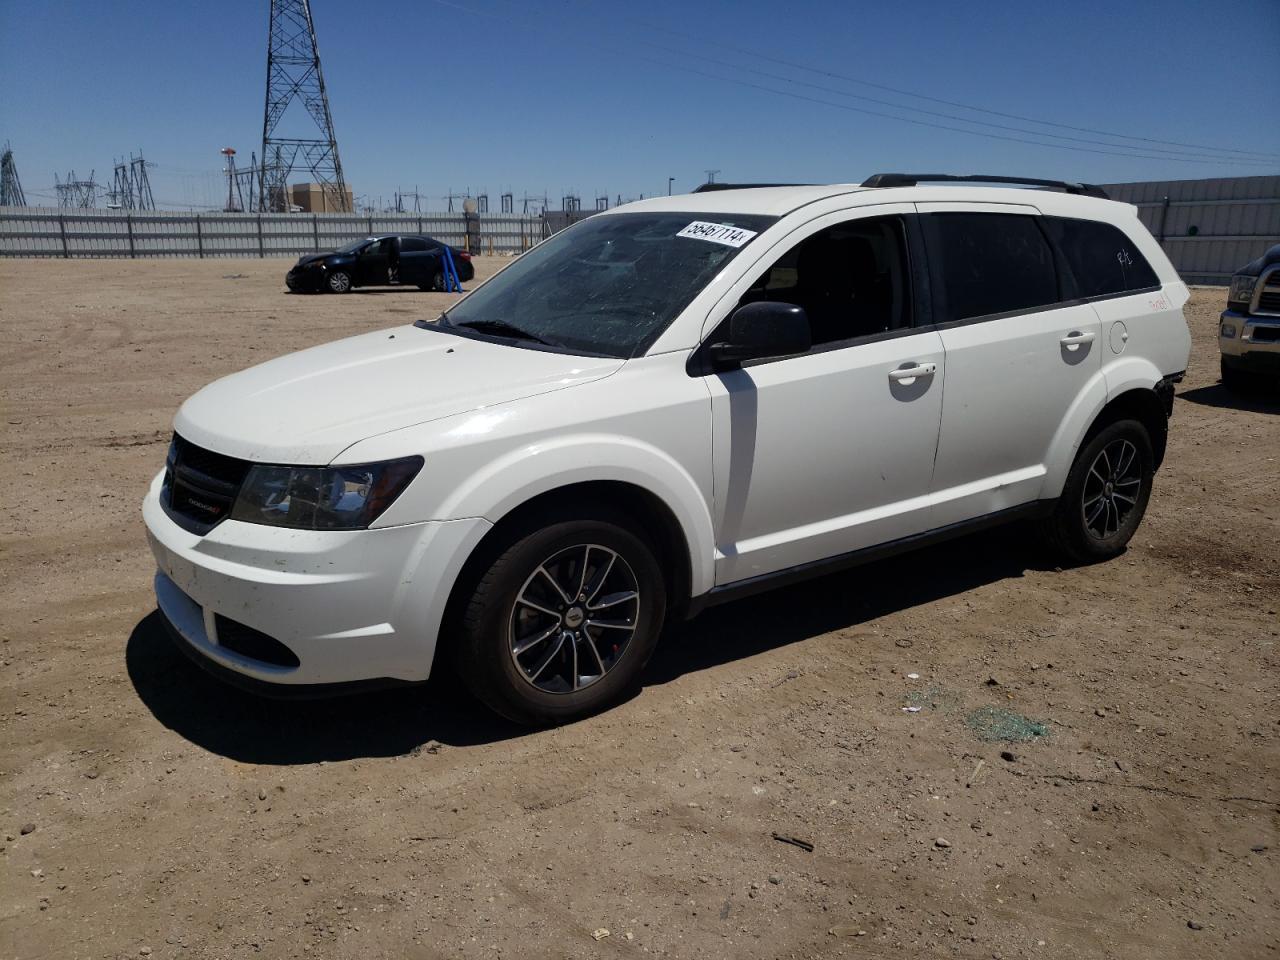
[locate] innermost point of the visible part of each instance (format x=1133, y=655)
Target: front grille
x=201, y=486
x=1265, y=334
x=252, y=643
x=1269, y=301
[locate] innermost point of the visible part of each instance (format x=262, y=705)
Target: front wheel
x=1105, y=495
x=563, y=621
x=338, y=281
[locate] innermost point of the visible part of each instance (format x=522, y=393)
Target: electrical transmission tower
x=293, y=74
x=76, y=193
x=130, y=188
x=10, y=185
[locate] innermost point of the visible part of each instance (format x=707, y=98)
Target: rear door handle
x=1075, y=338
x=909, y=371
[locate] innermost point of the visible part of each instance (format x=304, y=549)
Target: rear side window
x=412, y=245
x=1102, y=260
x=989, y=263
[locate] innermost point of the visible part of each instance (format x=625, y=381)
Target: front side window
x=851, y=279
x=610, y=284
x=989, y=263
x=1102, y=260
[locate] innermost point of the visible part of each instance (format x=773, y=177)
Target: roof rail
x=710, y=187
x=911, y=179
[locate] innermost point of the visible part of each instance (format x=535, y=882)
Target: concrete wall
x=1209, y=228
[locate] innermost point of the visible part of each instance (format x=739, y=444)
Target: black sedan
x=377, y=262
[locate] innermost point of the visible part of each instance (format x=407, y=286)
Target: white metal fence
x=1211, y=227
x=55, y=232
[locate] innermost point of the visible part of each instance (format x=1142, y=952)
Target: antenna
x=294, y=74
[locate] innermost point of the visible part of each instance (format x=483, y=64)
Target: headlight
x=322, y=498
x=1241, y=290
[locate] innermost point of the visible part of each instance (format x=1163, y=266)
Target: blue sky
x=615, y=96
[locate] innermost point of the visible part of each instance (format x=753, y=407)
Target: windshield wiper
x=501, y=327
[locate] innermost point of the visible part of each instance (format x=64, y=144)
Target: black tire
x=1235, y=380
x=437, y=281
x=496, y=618
x=338, y=281
x=1101, y=477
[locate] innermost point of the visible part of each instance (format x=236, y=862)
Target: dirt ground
x=147, y=810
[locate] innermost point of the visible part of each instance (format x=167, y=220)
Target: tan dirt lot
x=174, y=817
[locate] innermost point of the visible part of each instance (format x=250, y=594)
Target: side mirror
x=760, y=330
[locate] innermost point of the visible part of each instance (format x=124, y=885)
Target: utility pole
x=670, y=181
x=294, y=74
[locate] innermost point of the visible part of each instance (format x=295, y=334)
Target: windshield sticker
x=717, y=233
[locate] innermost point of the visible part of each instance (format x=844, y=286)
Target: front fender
x=502, y=485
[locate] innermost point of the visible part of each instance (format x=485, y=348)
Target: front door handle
x=1076, y=338
x=909, y=371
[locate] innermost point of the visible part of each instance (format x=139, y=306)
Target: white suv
x=665, y=406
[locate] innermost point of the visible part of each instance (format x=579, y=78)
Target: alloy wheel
x=1111, y=489
x=339, y=282
x=573, y=618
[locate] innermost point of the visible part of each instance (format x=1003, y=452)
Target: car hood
x=307, y=407
x=314, y=258
x=1254, y=268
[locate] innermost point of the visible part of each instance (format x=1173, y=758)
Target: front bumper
x=352, y=606
x=305, y=279
x=1256, y=344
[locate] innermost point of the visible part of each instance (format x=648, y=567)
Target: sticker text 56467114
x=717, y=233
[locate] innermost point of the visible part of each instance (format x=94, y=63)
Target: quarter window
x=1102, y=260
x=412, y=245
x=989, y=263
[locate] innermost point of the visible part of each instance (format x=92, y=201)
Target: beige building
x=312, y=198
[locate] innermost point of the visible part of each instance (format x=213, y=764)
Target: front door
x=830, y=451
x=1018, y=355
x=374, y=262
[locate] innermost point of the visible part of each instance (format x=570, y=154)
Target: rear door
x=417, y=260
x=1019, y=351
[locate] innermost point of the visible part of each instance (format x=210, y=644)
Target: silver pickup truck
x=1249, y=329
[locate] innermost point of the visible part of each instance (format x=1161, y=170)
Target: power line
x=950, y=103
x=947, y=116
x=1121, y=150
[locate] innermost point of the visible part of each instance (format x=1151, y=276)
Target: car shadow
x=398, y=721
x=252, y=729
x=1259, y=398
x=843, y=600
x=378, y=291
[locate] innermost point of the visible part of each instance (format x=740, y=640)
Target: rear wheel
x=562, y=623
x=1105, y=495
x=437, y=281
x=338, y=281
